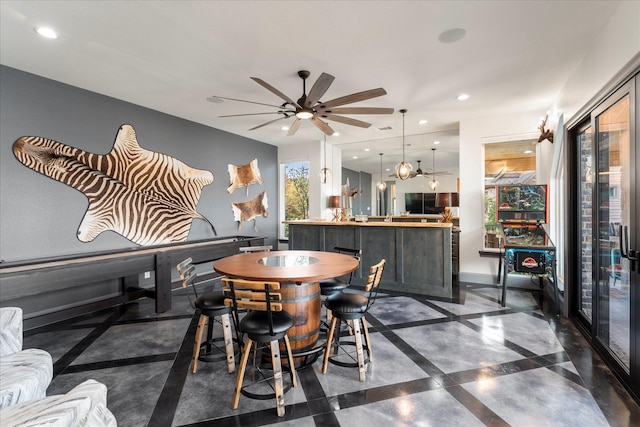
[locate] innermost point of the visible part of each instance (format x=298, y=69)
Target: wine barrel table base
x=299, y=273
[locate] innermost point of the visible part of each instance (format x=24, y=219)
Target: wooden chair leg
x=367, y=339
x=359, y=350
x=292, y=365
x=277, y=377
x=240, y=377
x=202, y=323
x=228, y=343
x=325, y=361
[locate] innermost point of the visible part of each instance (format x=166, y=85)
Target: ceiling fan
x=419, y=172
x=309, y=107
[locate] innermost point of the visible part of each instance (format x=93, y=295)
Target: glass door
x=613, y=141
x=606, y=230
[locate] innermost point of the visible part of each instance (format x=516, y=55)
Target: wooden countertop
x=372, y=224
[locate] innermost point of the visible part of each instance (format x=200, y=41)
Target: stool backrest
x=356, y=253
x=373, y=281
x=265, y=248
x=252, y=295
x=188, y=274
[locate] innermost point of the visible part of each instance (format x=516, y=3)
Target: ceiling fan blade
x=322, y=126
x=294, y=127
x=437, y=173
x=360, y=110
x=346, y=120
x=319, y=88
x=274, y=90
x=268, y=123
x=248, y=102
x=354, y=97
x=256, y=114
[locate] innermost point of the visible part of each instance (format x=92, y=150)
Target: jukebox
x=522, y=212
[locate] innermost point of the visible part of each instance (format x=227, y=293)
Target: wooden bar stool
x=264, y=324
x=212, y=307
x=338, y=284
x=347, y=306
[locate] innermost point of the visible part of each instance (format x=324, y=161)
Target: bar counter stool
x=212, y=307
x=335, y=285
x=264, y=324
x=347, y=306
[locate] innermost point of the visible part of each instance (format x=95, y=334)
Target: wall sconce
x=545, y=133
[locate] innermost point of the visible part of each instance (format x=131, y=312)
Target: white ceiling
x=171, y=55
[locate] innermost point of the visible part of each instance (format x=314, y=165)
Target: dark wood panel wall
x=419, y=259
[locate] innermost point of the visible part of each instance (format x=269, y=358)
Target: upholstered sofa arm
x=10, y=330
x=84, y=405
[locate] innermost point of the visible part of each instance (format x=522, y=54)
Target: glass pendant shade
x=381, y=185
x=324, y=175
x=403, y=169
x=433, y=184
x=325, y=172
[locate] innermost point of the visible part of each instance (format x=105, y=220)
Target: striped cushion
x=83, y=406
x=24, y=376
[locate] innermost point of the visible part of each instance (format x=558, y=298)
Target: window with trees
x=296, y=193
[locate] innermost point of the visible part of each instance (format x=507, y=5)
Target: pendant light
x=433, y=184
x=325, y=172
x=403, y=169
x=381, y=185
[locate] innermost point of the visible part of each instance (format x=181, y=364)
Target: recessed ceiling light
x=335, y=134
x=528, y=151
x=436, y=142
x=423, y=122
x=215, y=100
x=452, y=35
x=354, y=157
x=463, y=97
x=367, y=149
x=46, y=32
x=284, y=128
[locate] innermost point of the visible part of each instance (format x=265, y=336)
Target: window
x=296, y=193
x=505, y=162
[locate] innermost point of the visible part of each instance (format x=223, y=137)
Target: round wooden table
x=298, y=273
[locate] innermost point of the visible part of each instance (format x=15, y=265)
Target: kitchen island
x=419, y=255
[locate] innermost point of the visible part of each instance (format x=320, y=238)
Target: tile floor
x=467, y=362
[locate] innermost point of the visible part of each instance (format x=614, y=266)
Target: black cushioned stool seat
x=264, y=323
x=212, y=307
x=347, y=306
x=337, y=284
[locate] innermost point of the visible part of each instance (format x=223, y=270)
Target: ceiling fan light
x=304, y=114
x=403, y=170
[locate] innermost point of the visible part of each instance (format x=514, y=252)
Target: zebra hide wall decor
x=147, y=197
x=243, y=176
x=247, y=211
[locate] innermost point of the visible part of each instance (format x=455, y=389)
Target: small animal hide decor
x=147, y=197
x=243, y=176
x=247, y=211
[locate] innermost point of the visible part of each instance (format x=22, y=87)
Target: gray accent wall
x=361, y=203
x=39, y=216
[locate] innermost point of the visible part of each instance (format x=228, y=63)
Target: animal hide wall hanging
x=247, y=211
x=147, y=197
x=243, y=176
